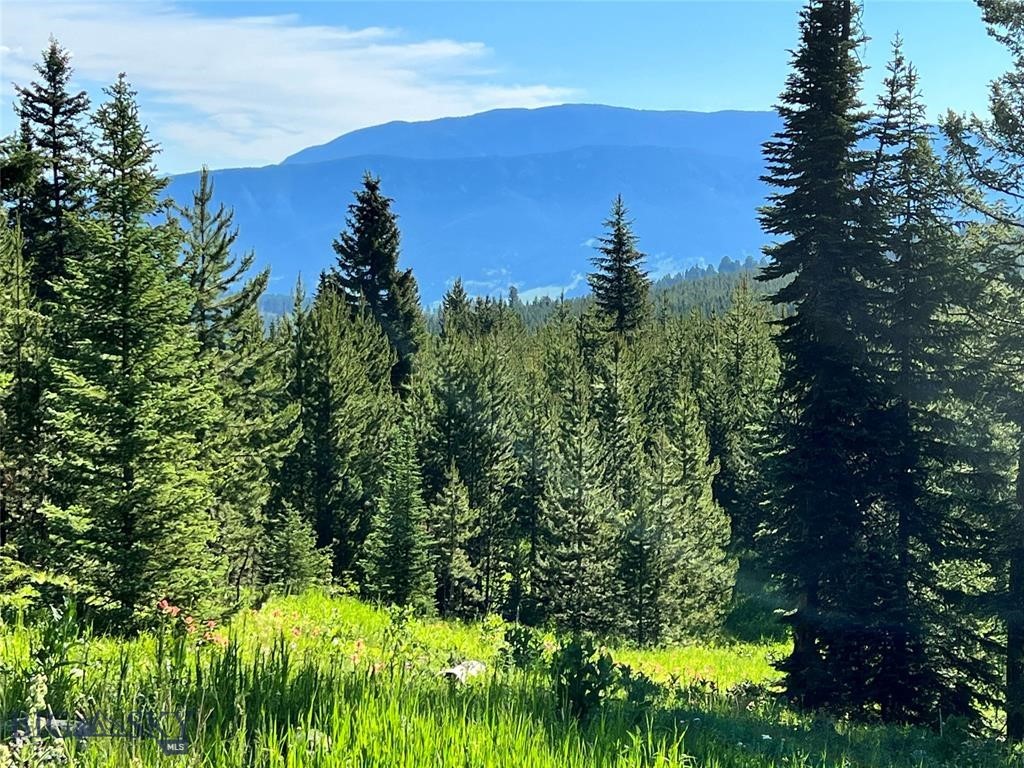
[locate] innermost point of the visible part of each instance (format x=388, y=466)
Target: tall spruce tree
x=54, y=120
x=245, y=437
x=832, y=406
x=988, y=154
x=620, y=284
x=576, y=559
x=533, y=449
x=223, y=290
x=338, y=374
x=931, y=474
x=738, y=402
x=22, y=352
x=453, y=527
x=398, y=565
x=367, y=273
x=128, y=396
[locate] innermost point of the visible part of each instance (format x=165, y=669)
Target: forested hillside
x=843, y=426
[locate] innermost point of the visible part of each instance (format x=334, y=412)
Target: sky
x=247, y=83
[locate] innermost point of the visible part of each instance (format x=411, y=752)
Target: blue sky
x=247, y=83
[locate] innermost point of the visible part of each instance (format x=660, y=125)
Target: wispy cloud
x=554, y=291
x=249, y=90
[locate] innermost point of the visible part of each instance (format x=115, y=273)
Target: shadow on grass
x=753, y=616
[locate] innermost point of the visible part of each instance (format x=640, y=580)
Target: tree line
x=603, y=466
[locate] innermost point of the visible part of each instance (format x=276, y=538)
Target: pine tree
x=830, y=254
x=620, y=284
x=683, y=487
x=474, y=428
x=533, y=450
x=222, y=294
x=338, y=374
x=452, y=523
x=128, y=396
x=576, y=563
x=455, y=311
x=988, y=153
x=22, y=355
x=398, y=567
x=290, y=561
x=54, y=128
x=617, y=416
x=367, y=274
x=924, y=673
x=245, y=439
x=739, y=402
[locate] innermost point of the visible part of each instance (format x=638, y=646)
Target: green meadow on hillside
x=322, y=681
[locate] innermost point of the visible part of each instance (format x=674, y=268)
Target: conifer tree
x=21, y=353
x=217, y=277
x=924, y=670
x=128, y=396
x=576, y=559
x=683, y=485
x=54, y=120
x=988, y=154
x=620, y=284
x=533, y=449
x=398, y=566
x=339, y=376
x=20, y=169
x=455, y=310
x=473, y=426
x=452, y=523
x=830, y=254
x=617, y=416
x=290, y=561
x=367, y=273
x=245, y=437
x=738, y=402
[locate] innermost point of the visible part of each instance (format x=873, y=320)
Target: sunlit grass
x=317, y=681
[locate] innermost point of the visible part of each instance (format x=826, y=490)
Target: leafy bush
x=583, y=676
x=522, y=647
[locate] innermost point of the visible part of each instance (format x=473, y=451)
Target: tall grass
x=313, y=681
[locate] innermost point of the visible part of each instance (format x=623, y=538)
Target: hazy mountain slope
x=498, y=220
x=508, y=132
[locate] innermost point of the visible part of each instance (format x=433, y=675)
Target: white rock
x=463, y=670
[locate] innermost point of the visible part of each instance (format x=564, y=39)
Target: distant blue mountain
x=513, y=196
x=513, y=132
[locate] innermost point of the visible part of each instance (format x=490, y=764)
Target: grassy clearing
x=315, y=681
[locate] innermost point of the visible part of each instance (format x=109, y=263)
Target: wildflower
x=296, y=631
x=765, y=737
x=211, y=624
x=167, y=608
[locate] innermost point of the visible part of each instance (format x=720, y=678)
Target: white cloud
x=249, y=90
x=553, y=291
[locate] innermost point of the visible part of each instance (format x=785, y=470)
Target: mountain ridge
x=515, y=217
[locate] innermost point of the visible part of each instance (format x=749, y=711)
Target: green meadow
x=314, y=680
